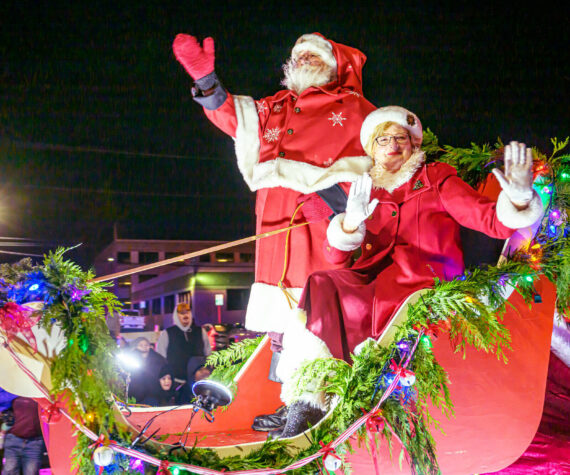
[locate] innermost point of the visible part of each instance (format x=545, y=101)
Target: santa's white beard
x=299, y=78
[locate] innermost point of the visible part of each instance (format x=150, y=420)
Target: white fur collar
x=391, y=181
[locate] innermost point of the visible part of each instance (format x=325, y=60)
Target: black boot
x=270, y=422
x=300, y=415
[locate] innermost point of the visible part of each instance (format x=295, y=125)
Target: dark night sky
x=97, y=124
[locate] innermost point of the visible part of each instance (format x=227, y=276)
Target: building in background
x=217, y=282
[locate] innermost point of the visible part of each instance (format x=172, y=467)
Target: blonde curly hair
x=378, y=131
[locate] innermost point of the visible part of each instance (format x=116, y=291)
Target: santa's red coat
x=288, y=145
x=412, y=237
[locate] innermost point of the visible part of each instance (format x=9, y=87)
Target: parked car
x=131, y=320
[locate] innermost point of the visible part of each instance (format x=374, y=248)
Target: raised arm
x=198, y=60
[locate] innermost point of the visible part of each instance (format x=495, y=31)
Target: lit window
x=224, y=257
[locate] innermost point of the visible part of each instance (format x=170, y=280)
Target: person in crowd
x=150, y=363
x=408, y=233
x=296, y=146
x=182, y=341
x=197, y=369
x=113, y=320
x=203, y=372
x=24, y=445
x=164, y=391
x=6, y=417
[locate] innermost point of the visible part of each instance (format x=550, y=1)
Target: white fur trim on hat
x=315, y=44
x=396, y=114
x=342, y=240
x=514, y=218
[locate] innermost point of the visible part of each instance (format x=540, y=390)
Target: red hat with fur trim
x=395, y=114
x=315, y=44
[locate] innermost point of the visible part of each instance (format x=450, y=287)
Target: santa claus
x=293, y=147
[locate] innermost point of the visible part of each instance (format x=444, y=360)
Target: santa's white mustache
x=300, y=77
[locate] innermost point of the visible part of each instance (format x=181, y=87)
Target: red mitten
x=314, y=208
x=197, y=60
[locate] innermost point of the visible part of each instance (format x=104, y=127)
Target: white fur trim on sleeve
x=299, y=176
x=513, y=218
x=342, y=240
x=247, y=136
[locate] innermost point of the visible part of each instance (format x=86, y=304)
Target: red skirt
x=339, y=307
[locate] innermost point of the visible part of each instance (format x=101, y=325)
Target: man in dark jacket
x=182, y=341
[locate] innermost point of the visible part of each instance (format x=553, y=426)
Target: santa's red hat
x=315, y=44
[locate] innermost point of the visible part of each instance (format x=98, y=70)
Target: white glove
x=359, y=206
x=517, y=179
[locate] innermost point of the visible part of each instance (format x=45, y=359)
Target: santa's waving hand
x=198, y=60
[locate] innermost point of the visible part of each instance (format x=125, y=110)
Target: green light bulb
x=426, y=342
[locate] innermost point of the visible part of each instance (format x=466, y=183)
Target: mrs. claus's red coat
x=412, y=237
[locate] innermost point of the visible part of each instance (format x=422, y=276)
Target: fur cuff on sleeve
x=342, y=240
x=513, y=218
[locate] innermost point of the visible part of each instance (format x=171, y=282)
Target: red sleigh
x=498, y=406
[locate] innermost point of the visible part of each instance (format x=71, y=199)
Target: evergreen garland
x=228, y=362
x=85, y=366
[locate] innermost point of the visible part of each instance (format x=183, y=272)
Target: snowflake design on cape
x=354, y=93
x=261, y=107
x=337, y=119
x=277, y=108
x=272, y=135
